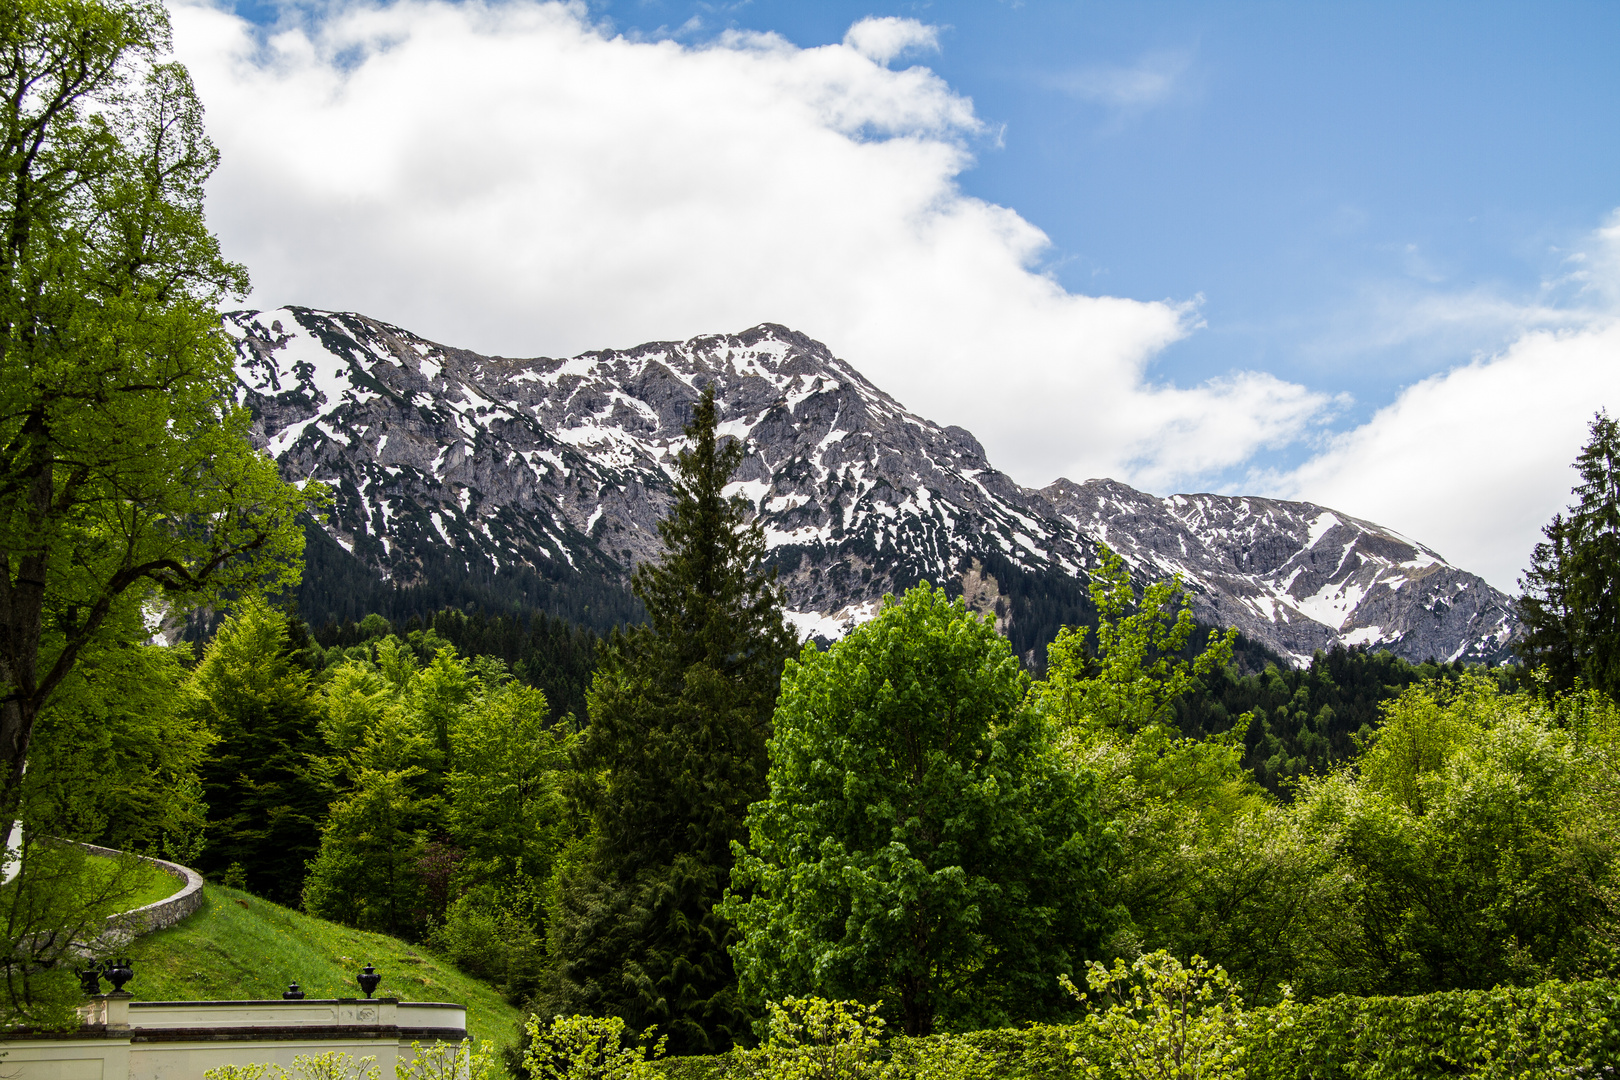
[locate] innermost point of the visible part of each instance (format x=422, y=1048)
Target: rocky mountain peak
x=438, y=453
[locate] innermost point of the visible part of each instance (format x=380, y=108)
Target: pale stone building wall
x=123, y=1039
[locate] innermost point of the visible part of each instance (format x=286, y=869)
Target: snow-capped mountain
x=566, y=464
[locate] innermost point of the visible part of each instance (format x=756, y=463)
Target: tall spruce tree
x=1571, y=592
x=674, y=753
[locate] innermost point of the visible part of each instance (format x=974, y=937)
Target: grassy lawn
x=151, y=883
x=241, y=947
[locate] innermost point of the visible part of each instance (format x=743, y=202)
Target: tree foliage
x=125, y=473
x=113, y=760
x=1310, y=719
x=115, y=754
x=919, y=843
x=674, y=753
x=1170, y=798
x=1571, y=592
x=266, y=800
x=1476, y=842
x=1131, y=679
x=58, y=899
x=1479, y=844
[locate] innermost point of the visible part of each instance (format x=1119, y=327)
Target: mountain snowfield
x=567, y=463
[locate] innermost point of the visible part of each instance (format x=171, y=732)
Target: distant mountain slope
x=1296, y=575
x=444, y=460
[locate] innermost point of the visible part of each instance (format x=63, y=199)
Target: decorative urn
x=369, y=980
x=118, y=973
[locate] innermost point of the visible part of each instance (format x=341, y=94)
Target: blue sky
x=1358, y=254
x=1299, y=166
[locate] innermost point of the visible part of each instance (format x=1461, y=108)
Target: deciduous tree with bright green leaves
x=113, y=760
x=505, y=806
x=126, y=476
x=1478, y=842
x=920, y=844
x=266, y=799
x=1170, y=799
x=1130, y=679
x=118, y=717
x=506, y=816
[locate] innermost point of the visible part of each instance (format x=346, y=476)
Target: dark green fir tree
x=1571, y=592
x=672, y=756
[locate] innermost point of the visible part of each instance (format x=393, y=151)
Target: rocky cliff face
x=566, y=463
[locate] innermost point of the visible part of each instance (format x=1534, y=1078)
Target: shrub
x=440, y=1061
x=586, y=1048
x=1169, y=1022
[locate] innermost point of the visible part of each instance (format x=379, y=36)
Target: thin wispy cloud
x=1153, y=80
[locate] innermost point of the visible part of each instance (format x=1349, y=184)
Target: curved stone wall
x=166, y=912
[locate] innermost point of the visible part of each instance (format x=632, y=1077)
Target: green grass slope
x=150, y=883
x=238, y=946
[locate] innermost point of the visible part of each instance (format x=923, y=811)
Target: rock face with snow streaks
x=568, y=463
x=1295, y=575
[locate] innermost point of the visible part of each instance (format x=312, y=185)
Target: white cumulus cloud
x=515, y=179
x=1475, y=460
x=888, y=38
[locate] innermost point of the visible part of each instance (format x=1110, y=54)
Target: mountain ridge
x=563, y=467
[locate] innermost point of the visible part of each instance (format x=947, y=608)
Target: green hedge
x=1569, y=1031
x=1552, y=1030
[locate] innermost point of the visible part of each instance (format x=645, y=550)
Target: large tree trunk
x=22, y=617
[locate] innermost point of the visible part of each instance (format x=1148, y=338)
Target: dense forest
x=337, y=587
x=582, y=819
x=549, y=654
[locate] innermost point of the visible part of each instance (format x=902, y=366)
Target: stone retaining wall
x=126, y=925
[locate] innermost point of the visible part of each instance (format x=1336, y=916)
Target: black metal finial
x=369, y=980
x=90, y=979
x=292, y=993
x=118, y=973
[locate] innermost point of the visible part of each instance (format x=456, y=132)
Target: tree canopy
x=920, y=843
x=126, y=477
x=1571, y=600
